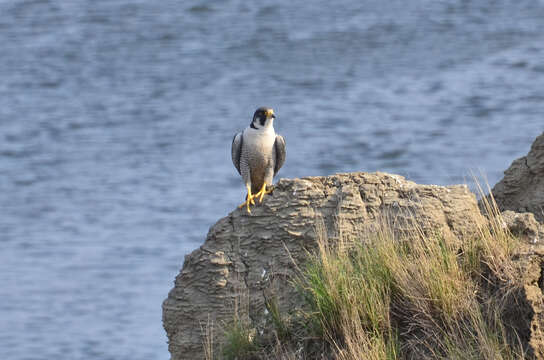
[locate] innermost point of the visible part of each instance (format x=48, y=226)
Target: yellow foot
x=249, y=200
x=261, y=193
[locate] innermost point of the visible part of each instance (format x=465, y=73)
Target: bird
x=258, y=153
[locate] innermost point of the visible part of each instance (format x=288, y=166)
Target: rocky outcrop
x=252, y=255
x=522, y=188
x=524, y=226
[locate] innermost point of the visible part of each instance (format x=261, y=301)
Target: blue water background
x=116, y=119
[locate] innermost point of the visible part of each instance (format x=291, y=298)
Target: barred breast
x=258, y=151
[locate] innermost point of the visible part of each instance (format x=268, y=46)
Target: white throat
x=267, y=127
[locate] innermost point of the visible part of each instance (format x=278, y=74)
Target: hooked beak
x=270, y=114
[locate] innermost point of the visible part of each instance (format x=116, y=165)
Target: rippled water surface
x=116, y=120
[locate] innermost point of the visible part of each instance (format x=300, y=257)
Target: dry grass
x=411, y=297
x=208, y=342
x=394, y=296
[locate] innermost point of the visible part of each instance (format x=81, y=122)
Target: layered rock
x=522, y=188
x=524, y=226
x=251, y=255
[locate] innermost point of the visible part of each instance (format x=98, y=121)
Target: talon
x=247, y=203
x=249, y=200
x=262, y=192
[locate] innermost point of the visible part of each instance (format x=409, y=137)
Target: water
x=116, y=120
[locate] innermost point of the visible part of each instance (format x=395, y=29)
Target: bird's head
x=263, y=118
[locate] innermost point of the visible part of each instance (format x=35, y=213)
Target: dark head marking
x=261, y=115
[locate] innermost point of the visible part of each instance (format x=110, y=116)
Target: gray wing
x=279, y=147
x=236, y=150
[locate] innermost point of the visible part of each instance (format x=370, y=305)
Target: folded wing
x=279, y=147
x=236, y=150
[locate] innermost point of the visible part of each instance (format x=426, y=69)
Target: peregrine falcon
x=258, y=154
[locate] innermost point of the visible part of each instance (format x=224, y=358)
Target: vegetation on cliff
x=410, y=294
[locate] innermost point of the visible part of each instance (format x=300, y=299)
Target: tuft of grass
x=240, y=341
x=343, y=286
x=239, y=335
x=280, y=324
x=495, y=243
